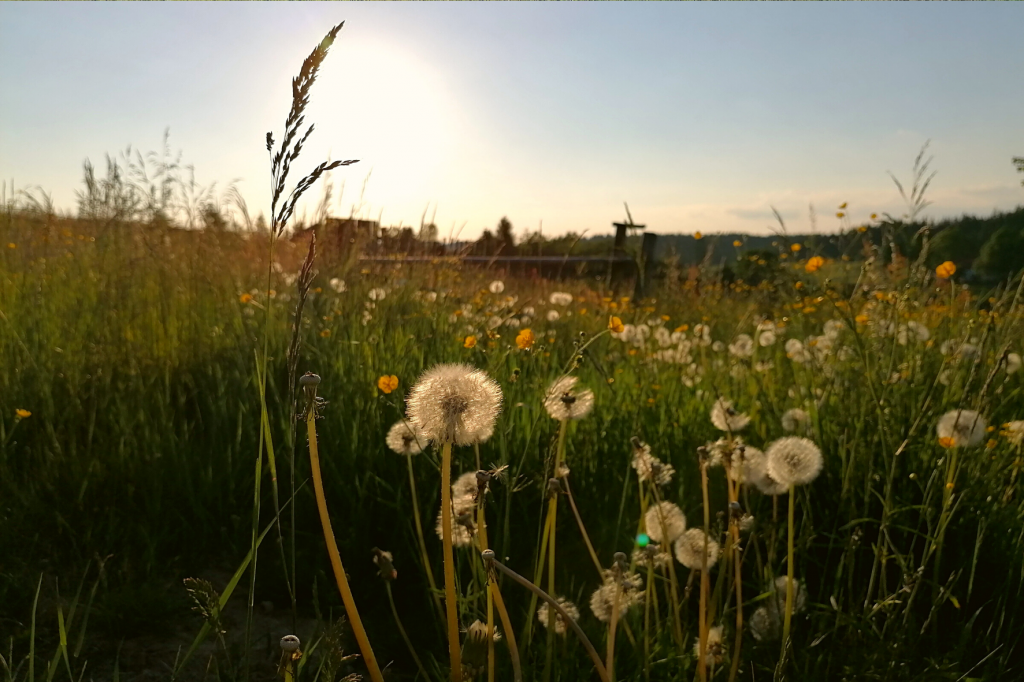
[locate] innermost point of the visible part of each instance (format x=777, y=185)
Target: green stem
x=788, y=617
x=423, y=545
x=401, y=630
x=454, y=652
x=332, y=549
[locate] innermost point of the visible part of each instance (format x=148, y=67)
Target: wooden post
x=645, y=266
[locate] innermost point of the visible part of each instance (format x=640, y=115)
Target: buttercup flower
x=455, y=403
x=525, y=339
x=946, y=270
x=406, y=438
x=961, y=428
x=387, y=383
x=564, y=401
x=793, y=460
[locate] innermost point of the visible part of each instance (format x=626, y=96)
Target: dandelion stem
x=737, y=559
x=513, y=650
x=705, y=585
x=788, y=617
x=332, y=550
x=423, y=545
x=454, y=653
x=401, y=630
x=491, y=561
x=583, y=530
x=553, y=516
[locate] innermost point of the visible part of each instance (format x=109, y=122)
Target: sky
x=703, y=116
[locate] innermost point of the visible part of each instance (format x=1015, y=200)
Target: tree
x=1003, y=254
x=1018, y=161
x=506, y=239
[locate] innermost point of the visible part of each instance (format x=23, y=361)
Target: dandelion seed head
x=725, y=418
x=649, y=468
x=406, y=438
x=966, y=428
x=755, y=472
x=742, y=346
x=651, y=556
x=799, y=594
x=793, y=460
x=1013, y=363
x=766, y=624
x=338, y=285
x=564, y=401
x=767, y=338
x=664, y=522
x=496, y=287
x=455, y=403
x=626, y=590
x=560, y=298
x=689, y=549
x=714, y=650
x=796, y=420
x=561, y=626
x=1014, y=432
x=462, y=527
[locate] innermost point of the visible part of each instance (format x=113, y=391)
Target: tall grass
x=132, y=408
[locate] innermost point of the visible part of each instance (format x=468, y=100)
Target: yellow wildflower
x=814, y=263
x=470, y=342
x=525, y=339
x=387, y=383
x=946, y=270
x=615, y=324
x=22, y=414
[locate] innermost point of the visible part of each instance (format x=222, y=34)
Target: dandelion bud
x=474, y=649
x=290, y=643
x=554, y=487
x=309, y=383
x=385, y=564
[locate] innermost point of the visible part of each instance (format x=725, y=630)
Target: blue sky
x=701, y=116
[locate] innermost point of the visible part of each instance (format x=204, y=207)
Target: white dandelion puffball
x=718, y=346
x=1013, y=363
x=560, y=625
x=755, y=472
x=377, y=294
x=338, y=285
x=564, y=401
x=455, y=403
x=725, y=418
x=793, y=460
x=649, y=468
x=497, y=286
x=651, y=556
x=766, y=338
x=796, y=352
x=796, y=421
x=799, y=594
x=626, y=591
x=664, y=522
x=834, y=327
x=766, y=624
x=560, y=298
x=406, y=438
x=742, y=346
x=553, y=315
x=689, y=549
x=465, y=485
x=463, y=509
x=714, y=649
x=965, y=428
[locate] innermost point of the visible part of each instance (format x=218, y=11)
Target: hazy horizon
x=700, y=116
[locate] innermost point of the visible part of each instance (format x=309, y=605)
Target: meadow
x=812, y=478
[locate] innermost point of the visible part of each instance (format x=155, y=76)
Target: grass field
x=152, y=430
